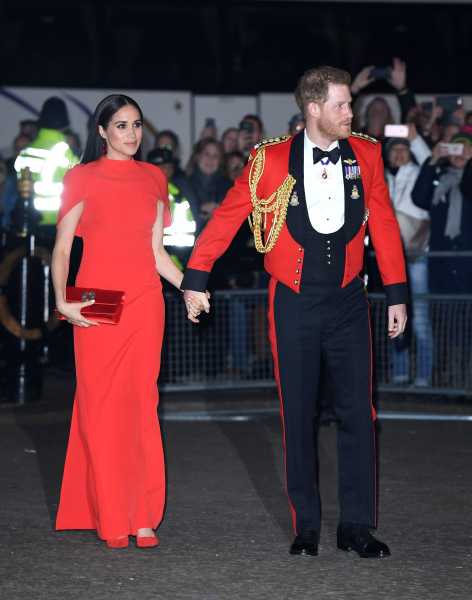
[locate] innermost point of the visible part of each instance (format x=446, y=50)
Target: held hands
x=196, y=302
x=73, y=315
x=396, y=320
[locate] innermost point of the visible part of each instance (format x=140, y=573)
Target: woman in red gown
x=114, y=476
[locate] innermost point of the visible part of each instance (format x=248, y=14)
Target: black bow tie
x=333, y=155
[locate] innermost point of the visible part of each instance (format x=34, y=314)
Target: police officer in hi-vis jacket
x=310, y=198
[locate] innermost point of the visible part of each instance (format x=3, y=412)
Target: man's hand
x=396, y=320
x=196, y=302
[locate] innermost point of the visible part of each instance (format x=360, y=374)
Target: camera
x=246, y=126
x=381, y=72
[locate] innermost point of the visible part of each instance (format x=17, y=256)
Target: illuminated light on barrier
x=182, y=230
x=49, y=204
x=179, y=239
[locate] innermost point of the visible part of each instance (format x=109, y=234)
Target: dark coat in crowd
x=451, y=226
x=209, y=188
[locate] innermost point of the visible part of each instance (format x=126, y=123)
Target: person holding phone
x=251, y=130
x=206, y=177
x=401, y=173
x=444, y=189
x=114, y=475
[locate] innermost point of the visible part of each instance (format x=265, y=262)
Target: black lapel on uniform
x=353, y=191
x=296, y=212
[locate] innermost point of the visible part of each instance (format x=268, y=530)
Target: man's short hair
x=313, y=84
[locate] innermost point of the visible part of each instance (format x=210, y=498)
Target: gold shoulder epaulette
x=271, y=141
x=364, y=136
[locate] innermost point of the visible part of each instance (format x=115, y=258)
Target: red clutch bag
x=107, y=307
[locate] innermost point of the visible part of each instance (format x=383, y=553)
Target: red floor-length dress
x=114, y=477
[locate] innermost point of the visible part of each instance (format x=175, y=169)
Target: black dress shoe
x=360, y=540
x=305, y=544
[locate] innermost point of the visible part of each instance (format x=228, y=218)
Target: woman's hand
x=196, y=302
x=72, y=312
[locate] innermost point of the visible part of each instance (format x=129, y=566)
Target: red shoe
x=121, y=542
x=147, y=541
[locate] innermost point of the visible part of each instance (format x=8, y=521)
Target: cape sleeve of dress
x=73, y=192
x=162, y=191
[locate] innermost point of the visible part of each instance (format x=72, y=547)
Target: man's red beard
x=336, y=132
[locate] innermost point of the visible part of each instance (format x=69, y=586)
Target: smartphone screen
x=454, y=149
x=397, y=131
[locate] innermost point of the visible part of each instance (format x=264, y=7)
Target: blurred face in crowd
x=209, y=159
x=459, y=161
x=165, y=141
x=20, y=143
x=29, y=129
x=230, y=140
x=249, y=134
x=333, y=117
x=123, y=134
x=399, y=156
x=449, y=132
x=378, y=115
x=234, y=166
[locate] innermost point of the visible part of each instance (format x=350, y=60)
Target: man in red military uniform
x=311, y=197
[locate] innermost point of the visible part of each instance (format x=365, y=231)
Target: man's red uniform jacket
x=367, y=202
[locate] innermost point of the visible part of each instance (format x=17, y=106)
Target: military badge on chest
x=294, y=201
x=352, y=172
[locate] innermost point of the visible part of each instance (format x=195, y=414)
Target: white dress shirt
x=324, y=197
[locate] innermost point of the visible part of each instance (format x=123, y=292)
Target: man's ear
x=313, y=109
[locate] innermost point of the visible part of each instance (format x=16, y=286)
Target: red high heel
x=121, y=542
x=147, y=541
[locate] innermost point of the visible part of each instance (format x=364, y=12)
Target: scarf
x=448, y=190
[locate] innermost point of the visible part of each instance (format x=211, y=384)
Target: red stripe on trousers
x=374, y=418
x=275, y=356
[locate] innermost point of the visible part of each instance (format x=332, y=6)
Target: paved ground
x=226, y=530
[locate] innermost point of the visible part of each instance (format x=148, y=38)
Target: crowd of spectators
x=428, y=170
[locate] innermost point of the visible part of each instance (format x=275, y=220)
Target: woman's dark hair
x=95, y=146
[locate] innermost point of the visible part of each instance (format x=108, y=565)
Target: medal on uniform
x=324, y=172
x=294, y=199
x=355, y=193
x=352, y=172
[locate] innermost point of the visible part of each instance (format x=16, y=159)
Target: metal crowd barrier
x=229, y=349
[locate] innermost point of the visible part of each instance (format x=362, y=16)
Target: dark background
x=229, y=46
